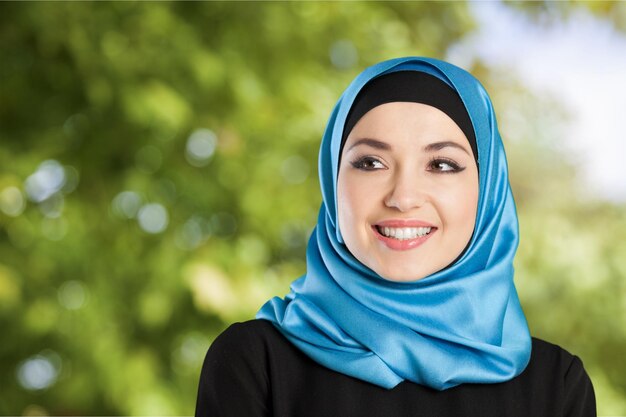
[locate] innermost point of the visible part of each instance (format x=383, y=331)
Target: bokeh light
x=200, y=147
x=153, y=218
x=343, y=54
x=49, y=178
x=126, y=204
x=12, y=202
x=193, y=233
x=39, y=372
x=72, y=295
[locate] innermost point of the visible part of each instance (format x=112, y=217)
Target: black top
x=253, y=370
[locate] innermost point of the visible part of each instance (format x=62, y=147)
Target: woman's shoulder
x=248, y=333
x=235, y=367
x=252, y=339
x=543, y=349
x=248, y=329
x=547, y=356
x=561, y=375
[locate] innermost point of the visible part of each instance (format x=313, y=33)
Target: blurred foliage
x=158, y=182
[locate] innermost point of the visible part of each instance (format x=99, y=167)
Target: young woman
x=408, y=306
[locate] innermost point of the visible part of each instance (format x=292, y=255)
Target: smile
x=403, y=233
x=399, y=236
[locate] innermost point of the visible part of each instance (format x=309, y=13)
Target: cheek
x=459, y=207
x=353, y=205
x=465, y=210
x=343, y=203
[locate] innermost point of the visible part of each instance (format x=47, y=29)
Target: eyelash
x=359, y=163
x=438, y=161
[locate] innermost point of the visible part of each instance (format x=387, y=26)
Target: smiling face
x=407, y=191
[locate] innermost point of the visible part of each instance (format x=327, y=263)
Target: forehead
x=404, y=120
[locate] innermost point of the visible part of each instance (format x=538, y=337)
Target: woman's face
x=407, y=191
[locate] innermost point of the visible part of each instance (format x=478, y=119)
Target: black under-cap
x=411, y=86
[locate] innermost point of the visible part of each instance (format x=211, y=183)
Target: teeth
x=404, y=233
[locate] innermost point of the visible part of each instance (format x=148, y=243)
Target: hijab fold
x=463, y=324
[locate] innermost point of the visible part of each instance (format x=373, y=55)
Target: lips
x=399, y=234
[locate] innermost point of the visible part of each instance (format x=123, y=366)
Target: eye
x=368, y=163
x=444, y=165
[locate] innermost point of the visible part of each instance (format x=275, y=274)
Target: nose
x=407, y=191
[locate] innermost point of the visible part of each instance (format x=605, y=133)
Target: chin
x=402, y=275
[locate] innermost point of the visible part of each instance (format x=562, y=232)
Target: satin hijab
x=463, y=324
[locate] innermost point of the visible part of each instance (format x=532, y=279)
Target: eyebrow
x=436, y=146
x=373, y=143
x=431, y=147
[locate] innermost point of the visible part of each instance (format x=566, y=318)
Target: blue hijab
x=463, y=324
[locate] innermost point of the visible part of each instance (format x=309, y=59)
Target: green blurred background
x=158, y=181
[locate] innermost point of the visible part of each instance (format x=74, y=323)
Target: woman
x=408, y=306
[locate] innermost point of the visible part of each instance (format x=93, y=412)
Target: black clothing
x=253, y=370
